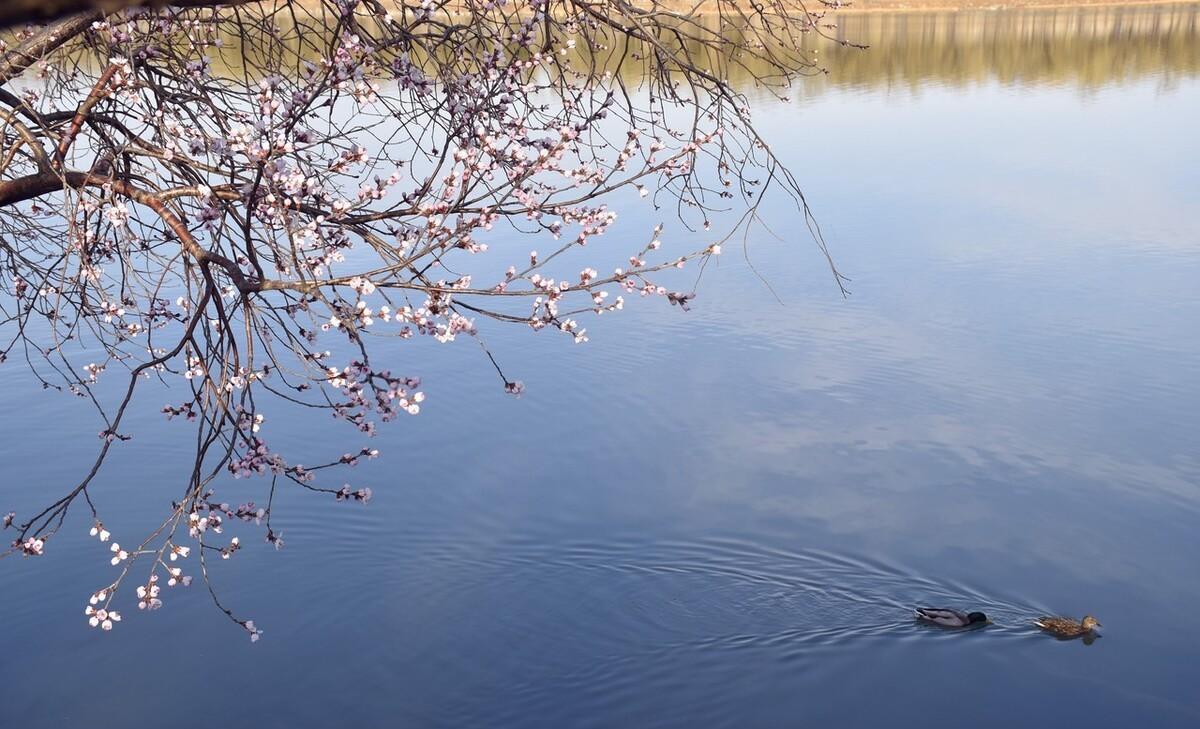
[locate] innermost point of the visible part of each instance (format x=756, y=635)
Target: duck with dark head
x=951, y=618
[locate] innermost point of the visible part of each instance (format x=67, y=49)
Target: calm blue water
x=722, y=518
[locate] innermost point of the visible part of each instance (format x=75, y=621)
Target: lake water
x=722, y=518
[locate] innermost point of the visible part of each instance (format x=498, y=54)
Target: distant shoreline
x=701, y=7
x=894, y=6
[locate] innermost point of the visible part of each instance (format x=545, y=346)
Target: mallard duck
x=950, y=618
x=1067, y=627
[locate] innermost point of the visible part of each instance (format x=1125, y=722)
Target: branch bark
x=17, y=12
x=14, y=62
x=29, y=187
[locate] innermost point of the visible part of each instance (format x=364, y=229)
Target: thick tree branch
x=17, y=12
x=14, y=62
x=43, y=183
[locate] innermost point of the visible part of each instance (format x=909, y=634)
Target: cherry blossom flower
x=178, y=578
x=119, y=555
x=117, y=214
x=99, y=531
x=147, y=595
x=102, y=618
x=345, y=493
x=253, y=630
x=33, y=546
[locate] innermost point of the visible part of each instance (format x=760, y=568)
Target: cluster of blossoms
x=93, y=370
x=250, y=422
x=187, y=410
x=101, y=618
x=302, y=206
x=362, y=495
x=32, y=547
x=147, y=594
x=198, y=525
x=352, y=459
x=234, y=545
x=367, y=390
x=256, y=459
x=178, y=578
x=253, y=630
x=100, y=613
x=249, y=512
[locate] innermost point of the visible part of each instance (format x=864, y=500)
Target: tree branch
x=14, y=62
x=17, y=12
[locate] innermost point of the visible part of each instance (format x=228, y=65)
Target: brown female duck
x=1067, y=627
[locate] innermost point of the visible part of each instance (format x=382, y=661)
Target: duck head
x=973, y=618
x=1090, y=622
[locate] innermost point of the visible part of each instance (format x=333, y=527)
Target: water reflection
x=1084, y=47
x=1088, y=48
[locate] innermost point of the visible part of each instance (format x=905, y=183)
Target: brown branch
x=93, y=98
x=17, y=12
x=43, y=183
x=14, y=62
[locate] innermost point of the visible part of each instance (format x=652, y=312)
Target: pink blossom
x=102, y=618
